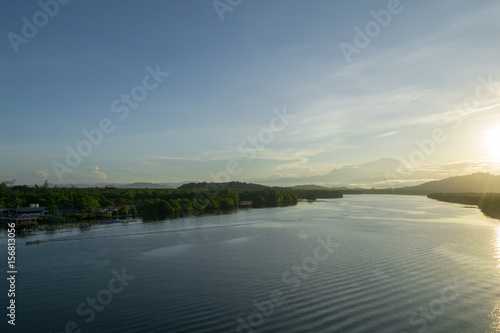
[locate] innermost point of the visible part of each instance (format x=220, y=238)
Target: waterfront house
x=67, y=210
x=97, y=210
x=4, y=212
x=101, y=211
x=114, y=208
x=34, y=210
x=21, y=219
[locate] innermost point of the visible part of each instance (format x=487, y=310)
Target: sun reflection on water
x=496, y=245
x=495, y=314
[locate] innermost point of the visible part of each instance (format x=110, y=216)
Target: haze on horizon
x=260, y=91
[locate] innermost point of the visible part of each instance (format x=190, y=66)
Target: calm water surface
x=363, y=263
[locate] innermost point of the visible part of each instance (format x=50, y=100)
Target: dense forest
x=227, y=185
x=190, y=199
x=301, y=192
x=155, y=201
x=489, y=203
x=321, y=194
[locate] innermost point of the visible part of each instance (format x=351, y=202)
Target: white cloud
x=96, y=173
x=43, y=173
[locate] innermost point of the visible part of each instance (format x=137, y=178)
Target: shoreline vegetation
x=80, y=206
x=488, y=203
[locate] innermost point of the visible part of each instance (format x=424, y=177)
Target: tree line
x=489, y=203
x=156, y=201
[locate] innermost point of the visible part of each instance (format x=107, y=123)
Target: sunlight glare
x=495, y=314
x=492, y=142
x=496, y=246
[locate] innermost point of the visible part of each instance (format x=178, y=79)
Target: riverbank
x=489, y=203
x=59, y=226
x=49, y=224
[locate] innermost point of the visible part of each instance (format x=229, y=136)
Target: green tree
x=123, y=210
x=164, y=207
x=259, y=201
x=87, y=203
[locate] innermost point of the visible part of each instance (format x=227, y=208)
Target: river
x=364, y=263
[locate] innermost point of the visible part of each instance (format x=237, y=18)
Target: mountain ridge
x=478, y=182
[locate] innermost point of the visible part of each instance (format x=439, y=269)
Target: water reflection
x=495, y=314
x=496, y=245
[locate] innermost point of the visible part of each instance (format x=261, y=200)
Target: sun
x=491, y=142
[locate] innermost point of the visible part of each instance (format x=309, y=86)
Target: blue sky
x=227, y=76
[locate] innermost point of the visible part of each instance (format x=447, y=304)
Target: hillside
x=475, y=183
x=229, y=186
x=309, y=187
x=149, y=185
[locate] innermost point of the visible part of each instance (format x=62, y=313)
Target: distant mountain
x=151, y=185
x=381, y=176
x=70, y=185
x=475, y=183
x=230, y=186
x=309, y=187
x=376, y=170
x=117, y=185
x=363, y=175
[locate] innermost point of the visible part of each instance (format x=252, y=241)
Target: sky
x=200, y=90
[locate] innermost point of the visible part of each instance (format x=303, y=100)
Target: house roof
x=20, y=217
x=32, y=209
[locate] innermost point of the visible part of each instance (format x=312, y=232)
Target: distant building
x=21, y=219
x=97, y=210
x=104, y=211
x=34, y=210
x=67, y=210
x=113, y=208
x=4, y=212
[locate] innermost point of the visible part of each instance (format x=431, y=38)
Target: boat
x=33, y=242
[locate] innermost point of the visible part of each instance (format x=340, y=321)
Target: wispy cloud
x=383, y=135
